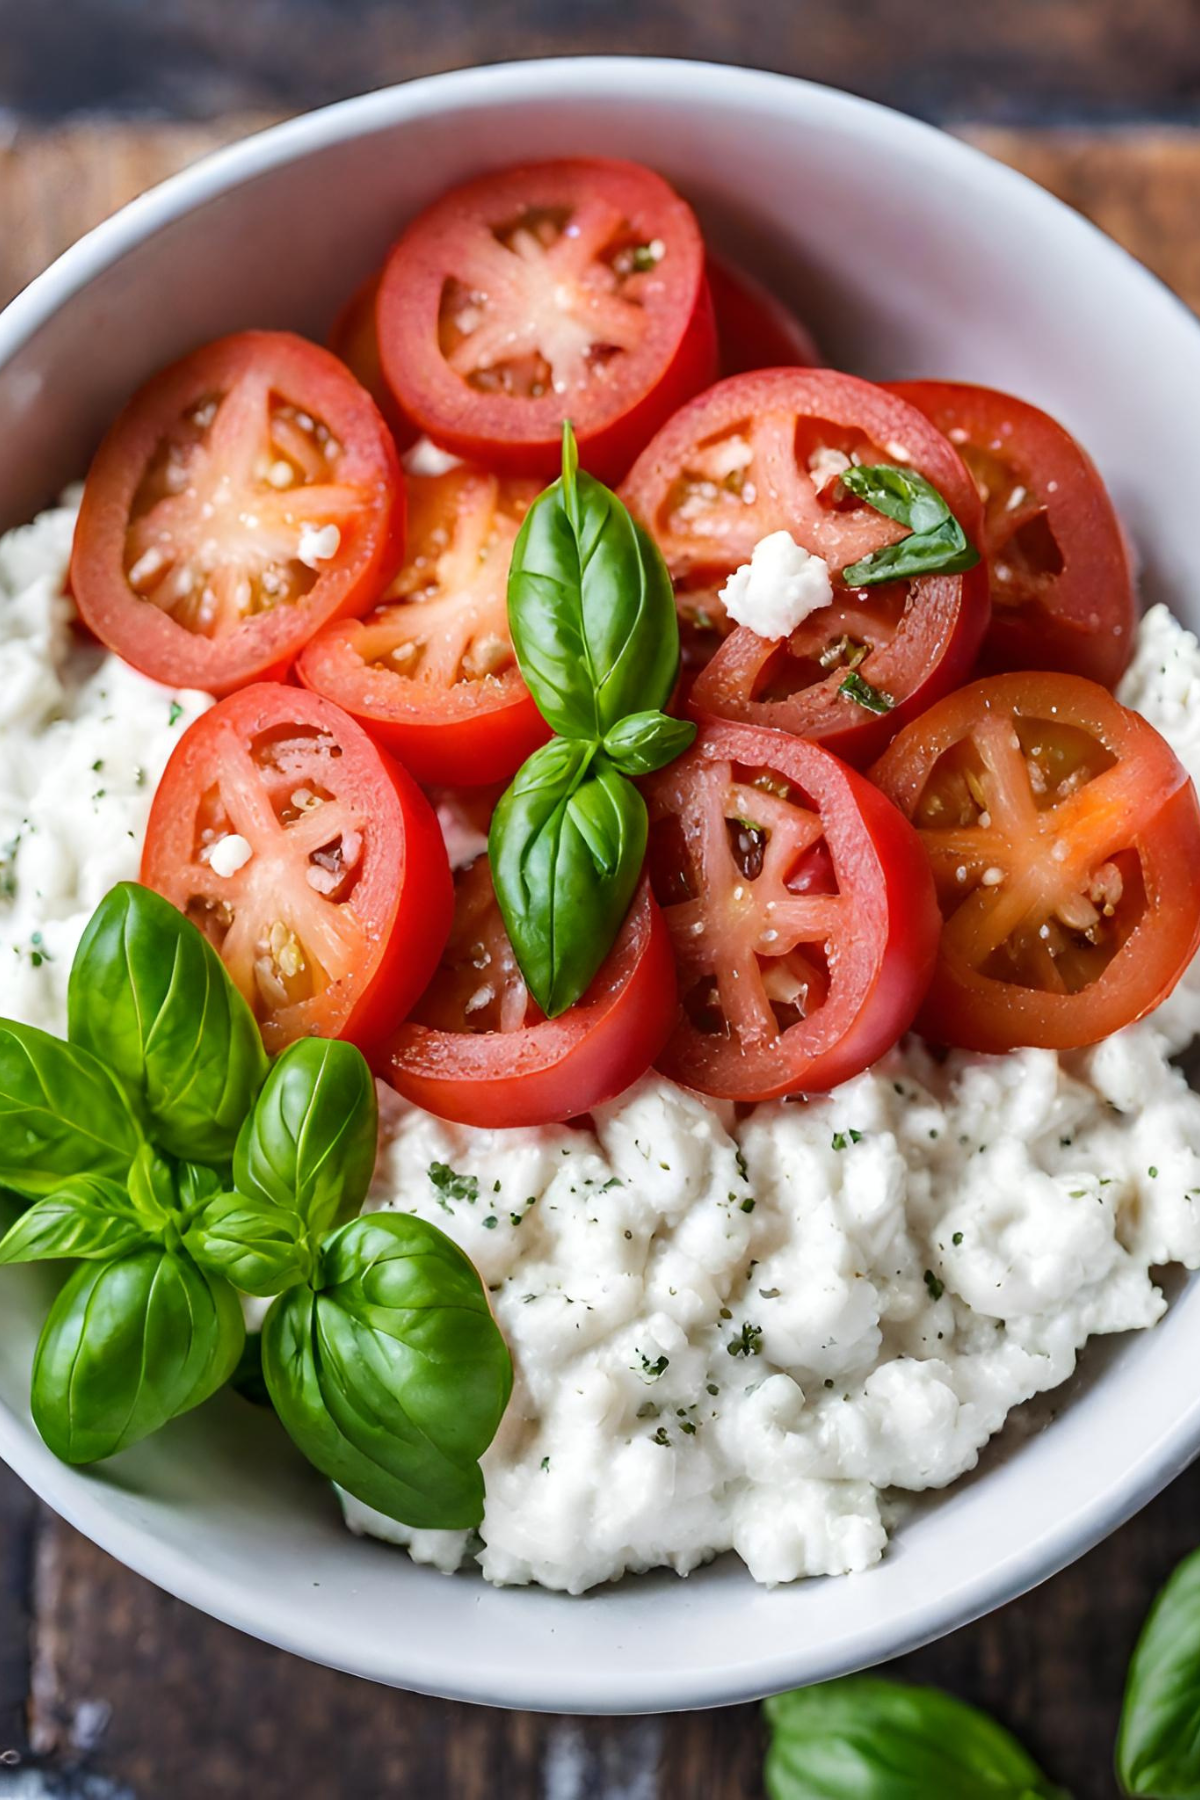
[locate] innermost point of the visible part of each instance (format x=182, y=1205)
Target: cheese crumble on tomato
x=778, y=588
x=726, y=1335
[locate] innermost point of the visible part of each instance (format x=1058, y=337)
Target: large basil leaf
x=393, y=1377
x=129, y=1345
x=567, y=843
x=590, y=607
x=647, y=741
x=936, y=544
x=255, y=1244
x=90, y=1217
x=309, y=1145
x=150, y=996
x=866, y=1739
x=1158, y=1750
x=61, y=1114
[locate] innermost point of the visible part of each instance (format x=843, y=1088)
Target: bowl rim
x=649, y=80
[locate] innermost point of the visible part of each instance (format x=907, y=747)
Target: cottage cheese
x=778, y=588
x=726, y=1335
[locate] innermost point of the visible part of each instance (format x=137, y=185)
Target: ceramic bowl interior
x=909, y=255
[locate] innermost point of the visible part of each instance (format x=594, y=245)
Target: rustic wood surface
x=109, y=1690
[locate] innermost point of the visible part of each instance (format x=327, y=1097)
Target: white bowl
x=910, y=255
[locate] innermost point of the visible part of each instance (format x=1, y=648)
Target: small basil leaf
x=61, y=1114
x=89, y=1217
x=865, y=1739
x=647, y=741
x=254, y=1244
x=937, y=543
x=197, y=1183
x=1158, y=1749
x=567, y=843
x=591, y=607
x=393, y=1377
x=309, y=1145
x=151, y=997
x=129, y=1345
x=152, y=1189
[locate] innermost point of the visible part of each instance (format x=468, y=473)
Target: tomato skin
x=1083, y=618
x=518, y=434
x=879, y=963
x=1148, y=811
x=264, y=645
x=355, y=341
x=470, y=752
x=555, y=1069
x=755, y=330
x=403, y=901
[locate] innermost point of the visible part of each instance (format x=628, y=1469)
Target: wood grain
x=101, y=1675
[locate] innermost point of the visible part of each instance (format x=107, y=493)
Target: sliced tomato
x=477, y=1048
x=801, y=912
x=1064, y=838
x=1062, y=585
x=246, y=496
x=556, y=290
x=354, y=339
x=755, y=330
x=311, y=861
x=760, y=453
x=431, y=672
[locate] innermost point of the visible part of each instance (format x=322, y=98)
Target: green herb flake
x=453, y=1186
x=957, y=1239
x=491, y=1222
x=175, y=713
x=936, y=1288
x=871, y=699
x=748, y=1341
x=651, y=1371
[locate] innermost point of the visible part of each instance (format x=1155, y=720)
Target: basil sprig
x=936, y=544
x=1158, y=1749
x=592, y=614
x=867, y=1739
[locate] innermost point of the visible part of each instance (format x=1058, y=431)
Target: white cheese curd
x=318, y=543
x=778, y=588
x=427, y=458
x=229, y=854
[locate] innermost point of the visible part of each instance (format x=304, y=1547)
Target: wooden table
x=128, y=1695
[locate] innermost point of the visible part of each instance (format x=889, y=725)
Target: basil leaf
x=309, y=1145
x=567, y=843
x=590, y=607
x=647, y=741
x=61, y=1114
x=152, y=1190
x=1158, y=1748
x=393, y=1377
x=196, y=1183
x=151, y=997
x=866, y=1739
x=89, y=1217
x=937, y=543
x=256, y=1245
x=129, y=1345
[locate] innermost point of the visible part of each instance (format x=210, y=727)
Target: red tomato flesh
x=1062, y=585
x=1064, y=838
x=244, y=497
x=431, y=672
x=571, y=289
x=334, y=922
x=801, y=912
x=478, y=1050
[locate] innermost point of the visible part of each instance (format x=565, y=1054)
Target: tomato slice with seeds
x=354, y=339
x=478, y=1050
x=800, y=908
x=1063, y=593
x=1064, y=838
x=761, y=453
x=431, y=672
x=755, y=330
x=311, y=861
x=243, y=498
x=571, y=289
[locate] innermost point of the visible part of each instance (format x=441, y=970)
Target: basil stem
x=936, y=544
x=1158, y=1748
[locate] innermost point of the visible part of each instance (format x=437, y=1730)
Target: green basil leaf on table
x=310, y=1143
x=61, y=1114
x=128, y=1345
x=393, y=1376
x=151, y=997
x=937, y=543
x=90, y=1216
x=591, y=607
x=258, y=1246
x=1158, y=1748
x=567, y=843
x=647, y=741
x=867, y=1739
